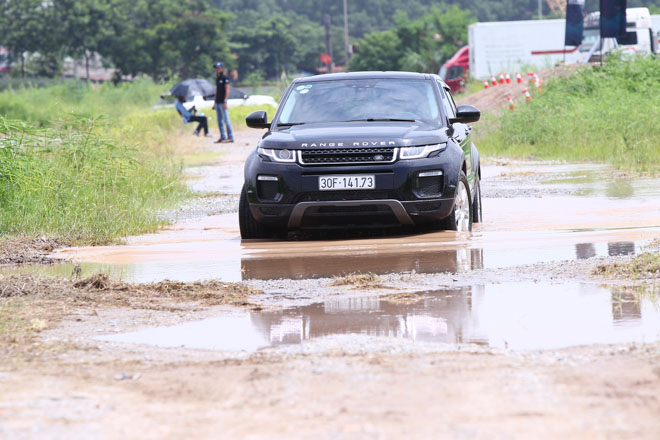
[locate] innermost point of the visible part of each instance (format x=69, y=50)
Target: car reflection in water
x=322, y=266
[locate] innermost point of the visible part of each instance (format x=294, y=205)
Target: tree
x=268, y=46
x=378, y=51
x=25, y=27
x=83, y=25
x=419, y=45
x=167, y=38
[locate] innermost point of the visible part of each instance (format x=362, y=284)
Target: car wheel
x=250, y=228
x=460, y=218
x=477, y=214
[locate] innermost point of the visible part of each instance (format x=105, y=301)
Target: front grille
x=332, y=196
x=338, y=156
x=347, y=216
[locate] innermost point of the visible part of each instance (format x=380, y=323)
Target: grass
x=74, y=184
x=45, y=106
x=605, y=114
x=91, y=164
x=359, y=281
x=643, y=266
x=86, y=165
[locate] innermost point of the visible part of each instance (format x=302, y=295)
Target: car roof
x=367, y=75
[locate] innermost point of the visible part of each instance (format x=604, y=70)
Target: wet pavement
x=516, y=316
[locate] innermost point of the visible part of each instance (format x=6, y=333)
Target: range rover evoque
x=367, y=149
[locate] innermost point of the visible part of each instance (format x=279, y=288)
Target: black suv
x=368, y=149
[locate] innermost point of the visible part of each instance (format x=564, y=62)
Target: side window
x=451, y=100
x=447, y=105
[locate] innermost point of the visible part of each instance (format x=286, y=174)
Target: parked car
x=236, y=98
x=369, y=149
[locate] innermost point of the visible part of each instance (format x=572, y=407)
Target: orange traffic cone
x=528, y=97
x=493, y=81
x=518, y=78
x=507, y=78
x=510, y=101
x=530, y=77
x=485, y=84
x=501, y=79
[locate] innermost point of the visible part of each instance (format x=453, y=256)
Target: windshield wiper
x=383, y=119
x=290, y=124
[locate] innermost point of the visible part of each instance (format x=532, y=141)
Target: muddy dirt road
x=502, y=333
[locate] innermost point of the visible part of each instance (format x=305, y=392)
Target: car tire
x=477, y=210
x=250, y=228
x=460, y=218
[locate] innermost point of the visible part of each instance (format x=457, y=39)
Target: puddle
x=518, y=316
x=296, y=261
x=616, y=218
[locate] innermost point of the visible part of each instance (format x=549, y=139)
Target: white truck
x=510, y=46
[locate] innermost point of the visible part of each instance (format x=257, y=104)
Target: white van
x=640, y=37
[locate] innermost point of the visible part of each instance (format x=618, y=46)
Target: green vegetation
x=69, y=174
x=420, y=45
x=45, y=106
x=606, y=114
x=643, y=266
x=166, y=39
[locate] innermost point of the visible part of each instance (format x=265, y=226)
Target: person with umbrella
x=220, y=103
x=188, y=116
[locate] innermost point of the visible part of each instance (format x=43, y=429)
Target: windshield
x=353, y=100
x=589, y=39
x=443, y=73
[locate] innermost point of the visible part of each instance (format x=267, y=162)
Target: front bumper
x=294, y=200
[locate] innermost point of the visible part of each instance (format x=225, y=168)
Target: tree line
x=260, y=38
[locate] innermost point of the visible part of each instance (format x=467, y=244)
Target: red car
x=455, y=71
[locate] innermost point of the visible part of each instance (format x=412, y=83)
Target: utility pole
x=540, y=9
x=328, y=40
x=348, y=47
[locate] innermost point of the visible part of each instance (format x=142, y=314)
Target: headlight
x=420, y=152
x=278, y=155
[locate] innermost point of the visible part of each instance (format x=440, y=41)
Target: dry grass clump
x=359, y=281
x=643, y=266
x=27, y=250
x=100, y=289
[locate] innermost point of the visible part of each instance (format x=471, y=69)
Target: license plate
x=333, y=183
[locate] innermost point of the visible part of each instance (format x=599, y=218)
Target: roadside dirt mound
x=28, y=250
x=495, y=97
x=100, y=289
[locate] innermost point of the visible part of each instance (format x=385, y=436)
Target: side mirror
x=258, y=119
x=465, y=114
